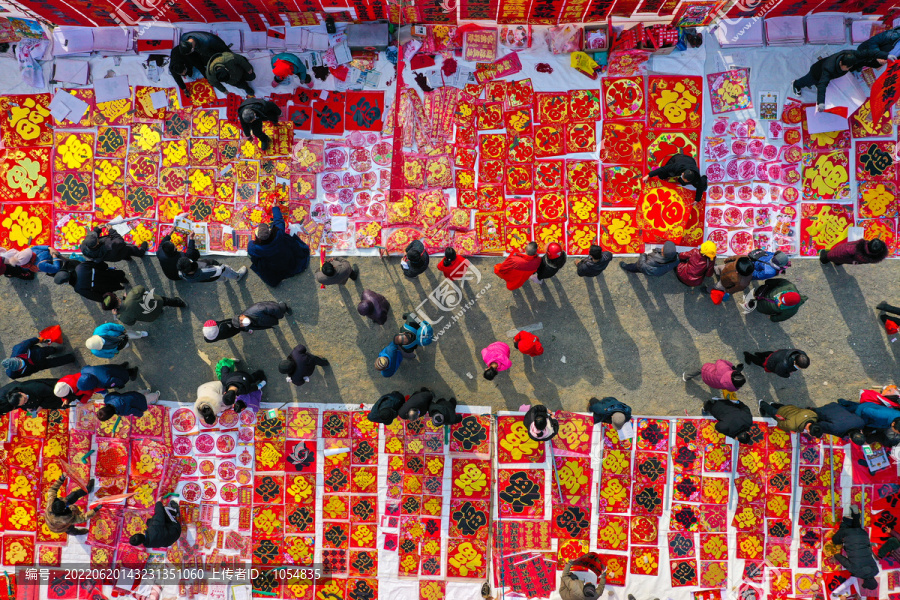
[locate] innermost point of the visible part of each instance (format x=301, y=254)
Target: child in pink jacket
x=496, y=357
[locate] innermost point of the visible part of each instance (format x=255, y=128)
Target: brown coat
x=61, y=524
x=730, y=280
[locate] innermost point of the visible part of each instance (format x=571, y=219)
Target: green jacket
x=238, y=69
x=767, y=299
x=140, y=305
x=794, y=418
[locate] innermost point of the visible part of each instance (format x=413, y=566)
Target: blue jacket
x=281, y=257
x=46, y=262
x=607, y=406
x=103, y=376
x=127, y=404
x=22, y=349
x=763, y=267
x=111, y=334
x=394, y=356
x=876, y=416
x=299, y=67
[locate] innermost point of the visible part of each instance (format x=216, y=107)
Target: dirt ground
x=618, y=335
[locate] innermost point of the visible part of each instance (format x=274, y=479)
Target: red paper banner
x=885, y=91
x=598, y=11
x=625, y=8
x=472, y=10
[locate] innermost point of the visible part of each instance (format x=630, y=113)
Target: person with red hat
x=553, y=261
x=518, y=266
x=778, y=298
x=891, y=324
x=528, y=343
x=286, y=64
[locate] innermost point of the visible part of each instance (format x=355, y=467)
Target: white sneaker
x=684, y=376
x=143, y=334
x=152, y=398
x=241, y=272
x=261, y=385
x=891, y=57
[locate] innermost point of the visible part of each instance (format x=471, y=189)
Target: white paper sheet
x=339, y=223
x=71, y=71
x=112, y=88
x=72, y=40
x=68, y=107
x=160, y=100
x=822, y=122
x=58, y=108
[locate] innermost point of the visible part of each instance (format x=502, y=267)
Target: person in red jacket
x=720, y=375
x=528, y=343
x=67, y=389
x=452, y=266
x=518, y=267
x=860, y=252
x=696, y=265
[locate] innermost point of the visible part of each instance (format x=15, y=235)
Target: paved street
x=620, y=335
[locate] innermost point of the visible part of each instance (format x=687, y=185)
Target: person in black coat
x=554, y=259
x=253, y=112
x=881, y=48
x=823, y=71
x=29, y=395
x=275, y=255
x=163, y=528
x=375, y=306
x=836, y=420
x=262, y=315
x=215, y=331
x=857, y=556
x=443, y=412
x=386, y=408
x=733, y=418
x=417, y=405
x=780, y=362
x=596, y=262
x=202, y=44
x=683, y=170
x=300, y=364
x=541, y=427
x=91, y=280
x=415, y=260
x=182, y=65
x=111, y=247
x=168, y=256
x=239, y=383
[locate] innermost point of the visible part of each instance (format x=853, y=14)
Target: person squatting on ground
x=109, y=247
x=540, y=424
x=336, y=271
x=386, y=408
x=518, y=266
x=527, y=343
x=126, y=404
x=609, y=410
x=416, y=405
x=780, y=362
x=655, y=263
x=207, y=270
x=29, y=395
x=452, y=265
x=554, y=260
x=62, y=516
x=163, y=528
x=595, y=263
x=792, y=419
x=415, y=259
x=443, y=412
x=252, y=113
x=33, y=355
x=696, y=265
x=733, y=418
x=856, y=549
x=682, y=170
x=860, y=252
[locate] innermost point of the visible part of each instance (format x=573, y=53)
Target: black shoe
x=324, y=363
x=354, y=273
x=795, y=89
x=882, y=306
x=90, y=486
x=133, y=373
x=144, y=246
x=823, y=257
x=179, y=303
x=747, y=358
x=124, y=365
x=287, y=309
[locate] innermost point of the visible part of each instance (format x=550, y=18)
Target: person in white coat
x=210, y=403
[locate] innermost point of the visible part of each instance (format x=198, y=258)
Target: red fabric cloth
x=516, y=269
x=451, y=272
x=529, y=344
x=717, y=375
x=72, y=382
